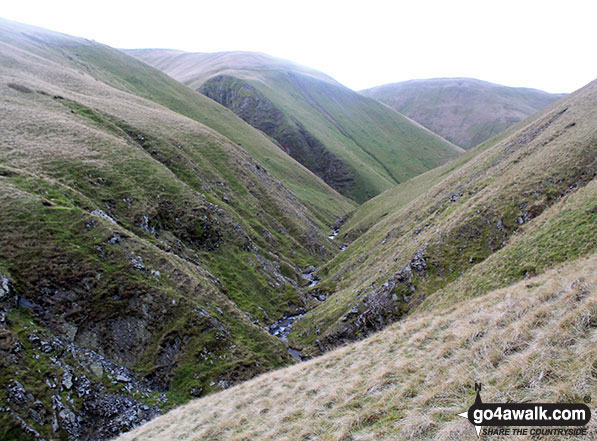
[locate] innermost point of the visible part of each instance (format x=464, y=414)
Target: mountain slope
x=356, y=145
x=496, y=203
x=127, y=74
x=465, y=111
x=412, y=379
x=494, y=262
x=142, y=249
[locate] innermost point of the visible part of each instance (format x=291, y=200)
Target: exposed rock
x=67, y=380
x=102, y=213
x=289, y=133
x=4, y=287
x=379, y=306
x=123, y=378
x=102, y=414
x=67, y=419
x=17, y=394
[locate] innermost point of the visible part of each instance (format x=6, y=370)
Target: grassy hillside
x=150, y=240
x=465, y=111
x=358, y=146
x=129, y=75
x=375, y=209
x=500, y=201
x=494, y=262
x=142, y=248
x=412, y=379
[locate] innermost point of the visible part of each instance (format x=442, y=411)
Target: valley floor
x=533, y=341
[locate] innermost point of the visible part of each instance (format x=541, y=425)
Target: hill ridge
x=380, y=148
x=149, y=237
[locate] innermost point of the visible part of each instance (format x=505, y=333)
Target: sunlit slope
x=357, y=145
x=465, y=111
x=510, y=198
x=395, y=198
x=412, y=379
x=135, y=233
x=128, y=74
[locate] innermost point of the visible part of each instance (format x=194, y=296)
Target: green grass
x=131, y=75
x=206, y=245
x=567, y=234
x=203, y=234
x=377, y=146
x=460, y=216
x=411, y=380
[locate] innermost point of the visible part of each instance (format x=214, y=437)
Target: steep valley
x=448, y=226
x=355, y=144
x=257, y=252
x=143, y=251
x=480, y=270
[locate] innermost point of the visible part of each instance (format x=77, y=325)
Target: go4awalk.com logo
x=559, y=419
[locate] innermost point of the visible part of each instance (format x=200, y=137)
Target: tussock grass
x=533, y=341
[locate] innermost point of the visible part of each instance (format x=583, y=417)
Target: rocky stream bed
x=281, y=328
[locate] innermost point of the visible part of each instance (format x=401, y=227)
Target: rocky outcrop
x=291, y=135
x=70, y=392
x=378, y=306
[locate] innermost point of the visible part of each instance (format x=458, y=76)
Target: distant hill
x=464, y=111
x=155, y=247
x=488, y=267
x=355, y=144
x=493, y=216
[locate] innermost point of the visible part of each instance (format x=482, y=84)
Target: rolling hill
x=356, y=145
x=157, y=246
x=144, y=247
x=488, y=269
x=464, y=111
x=481, y=221
x=412, y=379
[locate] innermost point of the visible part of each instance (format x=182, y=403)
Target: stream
x=282, y=327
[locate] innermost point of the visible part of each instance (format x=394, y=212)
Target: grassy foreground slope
x=496, y=266
x=357, y=145
x=141, y=251
x=495, y=205
x=411, y=380
x=465, y=111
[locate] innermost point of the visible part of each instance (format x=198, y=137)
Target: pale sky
x=548, y=45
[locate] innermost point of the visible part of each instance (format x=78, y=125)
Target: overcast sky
x=549, y=45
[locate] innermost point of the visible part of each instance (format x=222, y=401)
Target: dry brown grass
x=533, y=341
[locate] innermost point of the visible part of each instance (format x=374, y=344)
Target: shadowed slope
x=355, y=144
